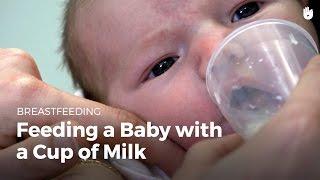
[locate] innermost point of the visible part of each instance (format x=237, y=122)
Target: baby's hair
x=71, y=50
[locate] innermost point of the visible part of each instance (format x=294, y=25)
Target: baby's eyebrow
x=156, y=36
x=159, y=35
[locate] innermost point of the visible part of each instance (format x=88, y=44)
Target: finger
x=18, y=60
x=210, y=151
x=305, y=98
x=30, y=92
x=287, y=142
x=33, y=168
x=205, y=154
x=27, y=91
x=301, y=112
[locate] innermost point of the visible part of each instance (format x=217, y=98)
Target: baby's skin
x=156, y=65
x=147, y=62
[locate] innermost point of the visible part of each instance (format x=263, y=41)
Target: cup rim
x=251, y=25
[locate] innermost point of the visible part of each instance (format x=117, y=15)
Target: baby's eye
x=162, y=66
x=245, y=11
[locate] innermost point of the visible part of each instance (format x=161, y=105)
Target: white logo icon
x=308, y=13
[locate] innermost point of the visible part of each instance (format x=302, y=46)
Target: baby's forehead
x=106, y=28
x=102, y=32
x=113, y=21
x=109, y=30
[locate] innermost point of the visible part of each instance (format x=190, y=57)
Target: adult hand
x=286, y=148
x=21, y=86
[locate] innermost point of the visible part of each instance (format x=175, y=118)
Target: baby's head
x=150, y=56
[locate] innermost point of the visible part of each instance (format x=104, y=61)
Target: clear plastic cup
x=254, y=70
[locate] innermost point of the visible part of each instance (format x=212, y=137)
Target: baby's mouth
x=245, y=101
x=226, y=127
x=249, y=97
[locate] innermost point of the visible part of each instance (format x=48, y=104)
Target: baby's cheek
x=186, y=102
x=187, y=99
x=181, y=101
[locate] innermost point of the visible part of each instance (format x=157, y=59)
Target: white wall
x=35, y=26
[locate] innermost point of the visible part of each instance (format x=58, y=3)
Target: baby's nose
x=207, y=41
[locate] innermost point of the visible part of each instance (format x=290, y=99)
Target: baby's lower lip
x=224, y=124
x=226, y=128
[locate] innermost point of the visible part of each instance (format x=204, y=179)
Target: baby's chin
x=186, y=143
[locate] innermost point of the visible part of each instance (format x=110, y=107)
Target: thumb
x=205, y=154
x=34, y=168
x=210, y=151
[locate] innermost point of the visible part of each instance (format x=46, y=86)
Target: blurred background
x=35, y=26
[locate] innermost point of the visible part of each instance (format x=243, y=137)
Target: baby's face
x=150, y=56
